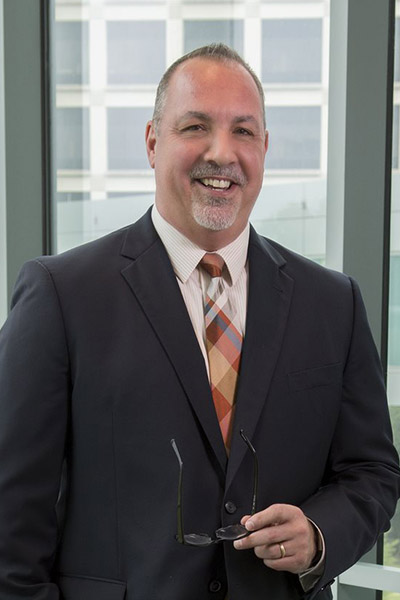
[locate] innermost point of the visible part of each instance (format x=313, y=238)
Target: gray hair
x=216, y=52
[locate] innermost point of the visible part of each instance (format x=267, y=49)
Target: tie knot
x=213, y=264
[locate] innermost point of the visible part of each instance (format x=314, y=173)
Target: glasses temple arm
x=255, y=468
x=179, y=513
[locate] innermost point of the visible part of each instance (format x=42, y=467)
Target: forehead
x=208, y=85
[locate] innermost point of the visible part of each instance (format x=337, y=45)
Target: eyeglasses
x=224, y=534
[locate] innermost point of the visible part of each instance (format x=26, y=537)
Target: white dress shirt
x=193, y=281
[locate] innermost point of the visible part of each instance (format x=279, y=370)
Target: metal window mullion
x=26, y=217
x=359, y=163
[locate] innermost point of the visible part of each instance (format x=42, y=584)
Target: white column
x=174, y=43
x=97, y=109
x=252, y=36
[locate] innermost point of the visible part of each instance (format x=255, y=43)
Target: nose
x=220, y=149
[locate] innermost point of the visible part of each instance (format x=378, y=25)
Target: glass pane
x=291, y=50
x=72, y=140
x=71, y=52
x=127, y=43
x=396, y=56
x=200, y=33
x=295, y=137
x=109, y=56
x=126, y=149
x=392, y=538
x=395, y=149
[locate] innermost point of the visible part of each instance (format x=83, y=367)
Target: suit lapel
x=270, y=291
x=153, y=282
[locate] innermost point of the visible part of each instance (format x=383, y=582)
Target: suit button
x=215, y=586
x=230, y=507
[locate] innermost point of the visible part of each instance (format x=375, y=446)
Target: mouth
x=218, y=185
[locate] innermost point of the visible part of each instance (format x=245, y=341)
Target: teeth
x=222, y=184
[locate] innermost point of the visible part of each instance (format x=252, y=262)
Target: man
x=106, y=357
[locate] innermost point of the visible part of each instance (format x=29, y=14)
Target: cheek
x=257, y=166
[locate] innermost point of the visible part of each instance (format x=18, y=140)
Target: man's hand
x=282, y=537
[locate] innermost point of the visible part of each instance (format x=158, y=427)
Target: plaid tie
x=223, y=342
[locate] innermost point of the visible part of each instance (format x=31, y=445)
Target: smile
x=217, y=184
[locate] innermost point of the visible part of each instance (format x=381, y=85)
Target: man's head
x=217, y=52
x=207, y=144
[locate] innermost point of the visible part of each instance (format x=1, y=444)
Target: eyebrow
x=246, y=119
x=205, y=117
x=194, y=114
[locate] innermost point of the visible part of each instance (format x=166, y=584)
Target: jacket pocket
x=326, y=375
x=75, y=587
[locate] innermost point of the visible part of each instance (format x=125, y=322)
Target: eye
x=243, y=131
x=194, y=127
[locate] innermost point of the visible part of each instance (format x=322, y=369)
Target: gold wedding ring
x=283, y=550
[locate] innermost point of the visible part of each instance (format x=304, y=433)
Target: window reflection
x=125, y=134
x=71, y=52
x=135, y=51
x=295, y=137
x=291, y=50
x=200, y=33
x=109, y=56
x=72, y=142
x=392, y=538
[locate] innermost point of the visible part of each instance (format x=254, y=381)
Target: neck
x=207, y=239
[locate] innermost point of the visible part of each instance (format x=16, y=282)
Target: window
x=136, y=52
x=291, y=50
x=71, y=52
x=392, y=538
x=124, y=54
x=295, y=137
x=395, y=149
x=72, y=138
x=396, y=55
x=126, y=147
x=200, y=33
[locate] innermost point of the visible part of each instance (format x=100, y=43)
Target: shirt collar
x=185, y=255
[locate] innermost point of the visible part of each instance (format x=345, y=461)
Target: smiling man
x=189, y=328
x=208, y=148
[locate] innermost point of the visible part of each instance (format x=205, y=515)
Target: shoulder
x=110, y=252
x=88, y=254
x=90, y=268
x=299, y=267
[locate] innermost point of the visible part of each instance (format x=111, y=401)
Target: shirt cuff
x=309, y=578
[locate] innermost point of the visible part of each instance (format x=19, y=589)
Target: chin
x=215, y=218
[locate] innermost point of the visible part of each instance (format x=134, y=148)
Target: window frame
x=24, y=199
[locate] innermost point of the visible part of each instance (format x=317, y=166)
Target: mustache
x=207, y=170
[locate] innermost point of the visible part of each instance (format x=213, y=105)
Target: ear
x=266, y=141
x=150, y=137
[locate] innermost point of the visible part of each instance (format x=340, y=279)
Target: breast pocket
x=89, y=588
x=327, y=375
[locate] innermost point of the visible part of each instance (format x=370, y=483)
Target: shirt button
x=215, y=586
x=230, y=507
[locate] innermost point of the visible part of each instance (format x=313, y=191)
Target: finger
x=274, y=552
x=295, y=563
x=290, y=563
x=273, y=515
x=267, y=536
x=283, y=557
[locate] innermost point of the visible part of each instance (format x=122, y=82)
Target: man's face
x=208, y=151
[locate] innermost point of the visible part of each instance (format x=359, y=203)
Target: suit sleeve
x=34, y=390
x=361, y=485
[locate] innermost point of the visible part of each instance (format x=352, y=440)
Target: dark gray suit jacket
x=100, y=368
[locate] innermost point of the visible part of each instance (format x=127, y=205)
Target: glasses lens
x=232, y=532
x=198, y=539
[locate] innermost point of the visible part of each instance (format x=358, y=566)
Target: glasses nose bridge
x=229, y=533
